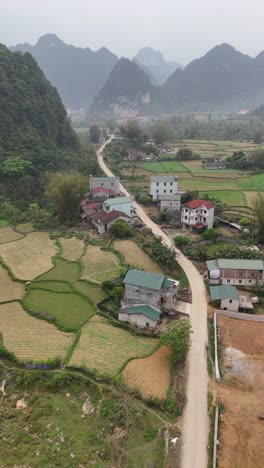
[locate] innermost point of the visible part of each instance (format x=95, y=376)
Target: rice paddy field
x=7, y=234
x=135, y=256
x=72, y=248
x=9, y=290
x=62, y=270
x=99, y=265
x=104, y=348
x=30, y=338
x=92, y=291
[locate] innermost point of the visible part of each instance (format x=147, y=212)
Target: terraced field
x=135, y=256
x=99, y=265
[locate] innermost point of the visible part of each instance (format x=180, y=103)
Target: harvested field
x=135, y=256
x=250, y=196
x=99, y=265
x=71, y=310
x=29, y=338
x=9, y=289
x=93, y=292
x=29, y=257
x=72, y=248
x=62, y=271
x=105, y=349
x=246, y=336
x=151, y=375
x=8, y=235
x=25, y=227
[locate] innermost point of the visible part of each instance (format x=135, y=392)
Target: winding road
x=195, y=425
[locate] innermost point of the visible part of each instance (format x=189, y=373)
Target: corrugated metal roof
x=145, y=309
x=224, y=291
x=144, y=279
x=235, y=264
x=117, y=201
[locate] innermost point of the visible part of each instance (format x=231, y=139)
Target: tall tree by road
x=258, y=206
x=95, y=133
x=161, y=131
x=132, y=132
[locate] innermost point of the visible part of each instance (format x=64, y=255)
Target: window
x=149, y=294
x=185, y=217
x=157, y=191
x=164, y=191
x=157, y=183
x=112, y=183
x=230, y=301
x=250, y=281
x=240, y=281
x=170, y=191
x=102, y=184
x=228, y=281
x=253, y=274
x=171, y=183
x=165, y=183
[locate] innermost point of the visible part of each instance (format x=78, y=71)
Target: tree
x=258, y=137
x=66, y=192
x=189, y=196
x=184, y=154
x=210, y=234
x=95, y=133
x=258, y=206
x=132, y=131
x=161, y=131
x=120, y=229
x=16, y=167
x=177, y=339
x=180, y=241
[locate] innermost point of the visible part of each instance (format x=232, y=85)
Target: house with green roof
x=239, y=272
x=141, y=315
x=147, y=289
x=226, y=296
x=122, y=204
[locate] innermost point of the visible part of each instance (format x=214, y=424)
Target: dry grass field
x=25, y=227
x=30, y=338
x=92, y=291
x=8, y=235
x=72, y=248
x=151, y=375
x=105, y=348
x=250, y=196
x=99, y=265
x=135, y=256
x=29, y=257
x=9, y=289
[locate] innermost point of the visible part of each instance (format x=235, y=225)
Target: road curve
x=195, y=425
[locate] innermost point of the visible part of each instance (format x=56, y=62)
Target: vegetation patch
x=63, y=271
x=56, y=286
x=29, y=257
x=100, y=265
x=164, y=166
x=70, y=310
x=228, y=197
x=92, y=291
x=25, y=227
x=9, y=289
x=104, y=348
x=135, y=256
x=7, y=234
x=72, y=248
x=31, y=339
x=255, y=182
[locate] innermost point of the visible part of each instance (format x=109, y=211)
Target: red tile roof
x=194, y=204
x=104, y=218
x=102, y=189
x=200, y=226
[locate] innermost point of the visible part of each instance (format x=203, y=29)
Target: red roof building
x=103, y=220
x=194, y=204
x=102, y=192
x=197, y=215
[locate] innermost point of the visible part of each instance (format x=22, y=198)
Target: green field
x=228, y=197
x=56, y=286
x=165, y=166
x=95, y=293
x=63, y=271
x=254, y=183
x=70, y=310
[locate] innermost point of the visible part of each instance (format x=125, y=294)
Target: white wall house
x=163, y=185
x=123, y=204
x=169, y=202
x=198, y=214
x=109, y=183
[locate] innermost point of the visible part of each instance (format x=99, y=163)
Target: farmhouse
x=142, y=315
x=227, y=296
x=236, y=272
x=142, y=287
x=110, y=186
x=169, y=202
x=163, y=185
x=197, y=215
x=103, y=221
x=123, y=204
x=214, y=163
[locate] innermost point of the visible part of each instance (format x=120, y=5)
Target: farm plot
x=25, y=228
x=255, y=183
x=151, y=375
x=29, y=338
x=70, y=310
x=56, y=286
x=7, y=234
x=164, y=166
x=208, y=183
x=92, y=291
x=99, y=265
x=29, y=257
x=105, y=349
x=135, y=256
x=62, y=271
x=229, y=197
x=196, y=168
x=9, y=289
x=72, y=248
x=250, y=197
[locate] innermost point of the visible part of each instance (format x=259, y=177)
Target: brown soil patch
x=25, y=227
x=241, y=334
x=8, y=235
x=29, y=257
x=9, y=289
x=151, y=375
x=135, y=256
x=72, y=248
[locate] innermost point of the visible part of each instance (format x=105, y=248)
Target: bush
x=180, y=241
x=120, y=229
x=150, y=434
x=210, y=234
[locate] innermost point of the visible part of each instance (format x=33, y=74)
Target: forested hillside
x=35, y=134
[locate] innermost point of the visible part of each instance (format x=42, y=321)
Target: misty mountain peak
x=49, y=40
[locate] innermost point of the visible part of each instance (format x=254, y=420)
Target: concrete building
x=169, y=202
x=227, y=296
x=123, y=204
x=214, y=164
x=111, y=184
x=103, y=221
x=143, y=316
x=163, y=185
x=197, y=215
x=236, y=272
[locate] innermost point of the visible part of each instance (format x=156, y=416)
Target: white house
x=198, y=215
x=163, y=185
x=123, y=204
x=227, y=296
x=169, y=202
x=110, y=185
x=142, y=316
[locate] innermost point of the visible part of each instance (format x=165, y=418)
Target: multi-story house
x=104, y=187
x=197, y=215
x=236, y=272
x=163, y=185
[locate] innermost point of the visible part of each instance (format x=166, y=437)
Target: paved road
x=195, y=419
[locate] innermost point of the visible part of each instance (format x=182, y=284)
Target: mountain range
x=154, y=65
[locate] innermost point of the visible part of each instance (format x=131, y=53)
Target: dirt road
x=195, y=419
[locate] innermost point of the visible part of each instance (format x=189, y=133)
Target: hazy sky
x=181, y=29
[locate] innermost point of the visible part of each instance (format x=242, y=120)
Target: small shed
x=142, y=316
x=227, y=295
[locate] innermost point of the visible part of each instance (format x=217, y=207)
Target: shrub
x=120, y=229
x=150, y=434
x=180, y=241
x=210, y=234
